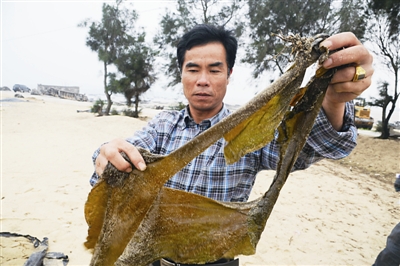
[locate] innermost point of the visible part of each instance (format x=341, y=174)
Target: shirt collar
x=188, y=120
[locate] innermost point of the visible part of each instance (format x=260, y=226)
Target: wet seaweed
x=134, y=220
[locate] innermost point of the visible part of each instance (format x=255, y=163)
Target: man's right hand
x=111, y=152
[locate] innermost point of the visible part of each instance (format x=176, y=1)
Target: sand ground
x=334, y=213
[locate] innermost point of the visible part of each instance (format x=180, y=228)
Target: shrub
x=178, y=107
x=378, y=126
x=114, y=112
x=98, y=107
x=131, y=113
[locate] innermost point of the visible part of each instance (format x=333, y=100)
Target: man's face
x=205, y=79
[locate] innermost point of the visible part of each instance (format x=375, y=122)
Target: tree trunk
x=136, y=104
x=391, y=111
x=108, y=95
x=385, y=133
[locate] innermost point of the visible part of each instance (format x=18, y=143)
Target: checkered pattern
x=210, y=176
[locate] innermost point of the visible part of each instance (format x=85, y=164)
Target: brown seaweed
x=134, y=220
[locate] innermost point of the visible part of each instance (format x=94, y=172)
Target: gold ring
x=360, y=73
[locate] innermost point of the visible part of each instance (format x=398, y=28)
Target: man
x=390, y=255
x=206, y=56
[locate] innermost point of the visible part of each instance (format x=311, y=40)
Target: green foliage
x=392, y=9
x=131, y=113
x=108, y=37
x=267, y=17
x=385, y=38
x=114, y=112
x=135, y=63
x=113, y=84
x=178, y=107
x=188, y=14
x=306, y=18
x=384, y=99
x=97, y=107
x=118, y=43
x=378, y=126
x=352, y=17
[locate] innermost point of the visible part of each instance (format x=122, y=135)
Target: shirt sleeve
x=145, y=138
x=94, y=178
x=323, y=142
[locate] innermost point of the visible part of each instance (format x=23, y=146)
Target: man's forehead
x=213, y=53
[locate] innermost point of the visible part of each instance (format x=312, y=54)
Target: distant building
x=65, y=92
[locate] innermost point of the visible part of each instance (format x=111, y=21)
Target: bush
x=98, y=107
x=378, y=127
x=114, y=112
x=178, y=107
x=131, y=113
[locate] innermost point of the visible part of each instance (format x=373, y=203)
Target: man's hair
x=203, y=34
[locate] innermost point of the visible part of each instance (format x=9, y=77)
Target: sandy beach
x=334, y=213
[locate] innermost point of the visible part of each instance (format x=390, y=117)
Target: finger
x=101, y=163
x=113, y=155
x=347, y=74
x=135, y=156
x=346, y=91
x=340, y=40
x=342, y=97
x=349, y=50
x=131, y=151
x=111, y=151
x=353, y=55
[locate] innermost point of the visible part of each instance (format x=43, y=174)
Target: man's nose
x=203, y=79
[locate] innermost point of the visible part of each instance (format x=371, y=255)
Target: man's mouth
x=202, y=94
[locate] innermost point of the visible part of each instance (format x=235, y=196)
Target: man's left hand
x=342, y=88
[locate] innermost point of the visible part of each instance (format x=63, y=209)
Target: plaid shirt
x=210, y=176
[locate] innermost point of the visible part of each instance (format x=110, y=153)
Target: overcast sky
x=41, y=44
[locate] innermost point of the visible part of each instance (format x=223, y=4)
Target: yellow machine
x=362, y=114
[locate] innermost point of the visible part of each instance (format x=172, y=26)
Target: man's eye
x=215, y=71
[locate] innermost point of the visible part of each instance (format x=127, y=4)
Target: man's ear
x=230, y=72
x=229, y=75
